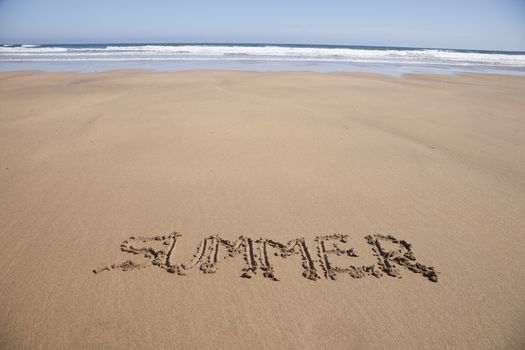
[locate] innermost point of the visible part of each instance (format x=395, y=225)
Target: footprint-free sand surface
x=312, y=211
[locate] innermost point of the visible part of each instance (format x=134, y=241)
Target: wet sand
x=341, y=211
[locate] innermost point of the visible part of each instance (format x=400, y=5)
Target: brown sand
x=88, y=160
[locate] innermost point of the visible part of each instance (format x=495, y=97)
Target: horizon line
x=264, y=43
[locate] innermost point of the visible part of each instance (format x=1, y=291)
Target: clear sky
x=477, y=24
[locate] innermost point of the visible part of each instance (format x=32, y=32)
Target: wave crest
x=39, y=53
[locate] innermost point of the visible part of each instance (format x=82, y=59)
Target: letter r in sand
x=401, y=255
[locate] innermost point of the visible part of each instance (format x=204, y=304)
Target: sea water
x=257, y=57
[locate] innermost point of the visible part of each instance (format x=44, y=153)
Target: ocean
x=258, y=57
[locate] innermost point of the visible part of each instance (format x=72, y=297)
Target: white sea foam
x=18, y=50
x=228, y=53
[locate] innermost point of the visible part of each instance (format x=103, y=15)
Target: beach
x=99, y=169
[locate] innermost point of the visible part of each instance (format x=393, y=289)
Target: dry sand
x=88, y=160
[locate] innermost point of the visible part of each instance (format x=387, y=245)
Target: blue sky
x=481, y=24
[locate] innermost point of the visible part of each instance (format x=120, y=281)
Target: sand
x=335, y=211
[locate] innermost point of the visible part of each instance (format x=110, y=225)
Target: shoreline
x=384, y=72
x=260, y=57
x=328, y=73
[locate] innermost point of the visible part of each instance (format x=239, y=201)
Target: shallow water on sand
x=257, y=57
